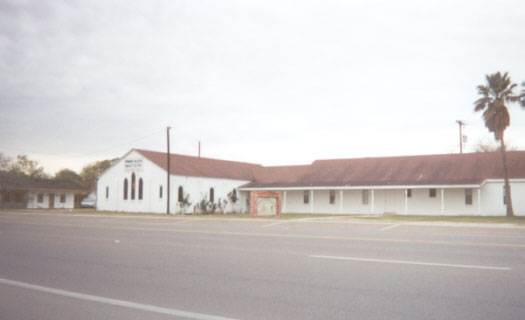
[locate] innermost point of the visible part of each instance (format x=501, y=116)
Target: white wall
x=420, y=203
x=294, y=203
x=389, y=201
x=153, y=178
x=322, y=202
x=352, y=202
x=492, y=198
x=199, y=188
x=32, y=201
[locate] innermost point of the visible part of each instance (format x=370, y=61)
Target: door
x=266, y=206
x=51, y=200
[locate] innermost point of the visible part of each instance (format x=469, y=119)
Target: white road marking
x=274, y=224
x=390, y=227
x=115, y=302
x=432, y=264
x=117, y=241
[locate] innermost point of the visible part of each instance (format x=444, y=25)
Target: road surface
x=65, y=266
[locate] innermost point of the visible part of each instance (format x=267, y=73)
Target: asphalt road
x=55, y=266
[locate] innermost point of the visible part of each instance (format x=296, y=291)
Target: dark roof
x=11, y=181
x=454, y=169
x=202, y=167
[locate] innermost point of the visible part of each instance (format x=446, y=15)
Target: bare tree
x=5, y=162
x=491, y=145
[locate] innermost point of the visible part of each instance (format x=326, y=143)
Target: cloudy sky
x=270, y=82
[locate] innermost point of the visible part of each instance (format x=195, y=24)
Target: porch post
x=479, y=201
x=312, y=202
x=341, y=201
x=284, y=202
x=442, y=200
x=406, y=202
x=372, y=207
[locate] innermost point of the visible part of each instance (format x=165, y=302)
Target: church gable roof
x=202, y=167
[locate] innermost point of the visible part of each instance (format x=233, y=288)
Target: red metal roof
x=453, y=169
x=446, y=169
x=202, y=167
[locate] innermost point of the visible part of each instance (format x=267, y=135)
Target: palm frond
x=513, y=98
x=481, y=103
x=493, y=96
x=497, y=118
x=484, y=91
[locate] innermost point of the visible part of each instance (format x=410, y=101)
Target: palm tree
x=497, y=92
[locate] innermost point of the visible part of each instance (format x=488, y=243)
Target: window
x=62, y=198
x=40, y=198
x=181, y=194
x=409, y=193
x=212, y=195
x=468, y=196
x=160, y=192
x=126, y=189
x=107, y=192
x=133, y=186
x=432, y=193
x=19, y=197
x=504, y=196
x=141, y=188
x=365, y=197
x=7, y=197
x=306, y=196
x=332, y=196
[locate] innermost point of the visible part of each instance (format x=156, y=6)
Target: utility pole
x=461, y=123
x=168, y=172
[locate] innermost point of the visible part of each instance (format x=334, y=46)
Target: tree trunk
x=510, y=210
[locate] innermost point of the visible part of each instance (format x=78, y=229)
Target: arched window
x=133, y=186
x=126, y=189
x=181, y=194
x=212, y=196
x=141, y=187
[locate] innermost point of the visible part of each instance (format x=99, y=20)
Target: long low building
x=23, y=192
x=449, y=184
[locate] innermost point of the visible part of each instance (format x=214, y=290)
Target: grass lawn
x=456, y=219
x=291, y=216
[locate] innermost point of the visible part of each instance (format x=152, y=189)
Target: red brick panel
x=254, y=195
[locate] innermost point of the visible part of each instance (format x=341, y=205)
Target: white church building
x=449, y=184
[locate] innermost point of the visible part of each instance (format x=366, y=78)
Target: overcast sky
x=270, y=82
